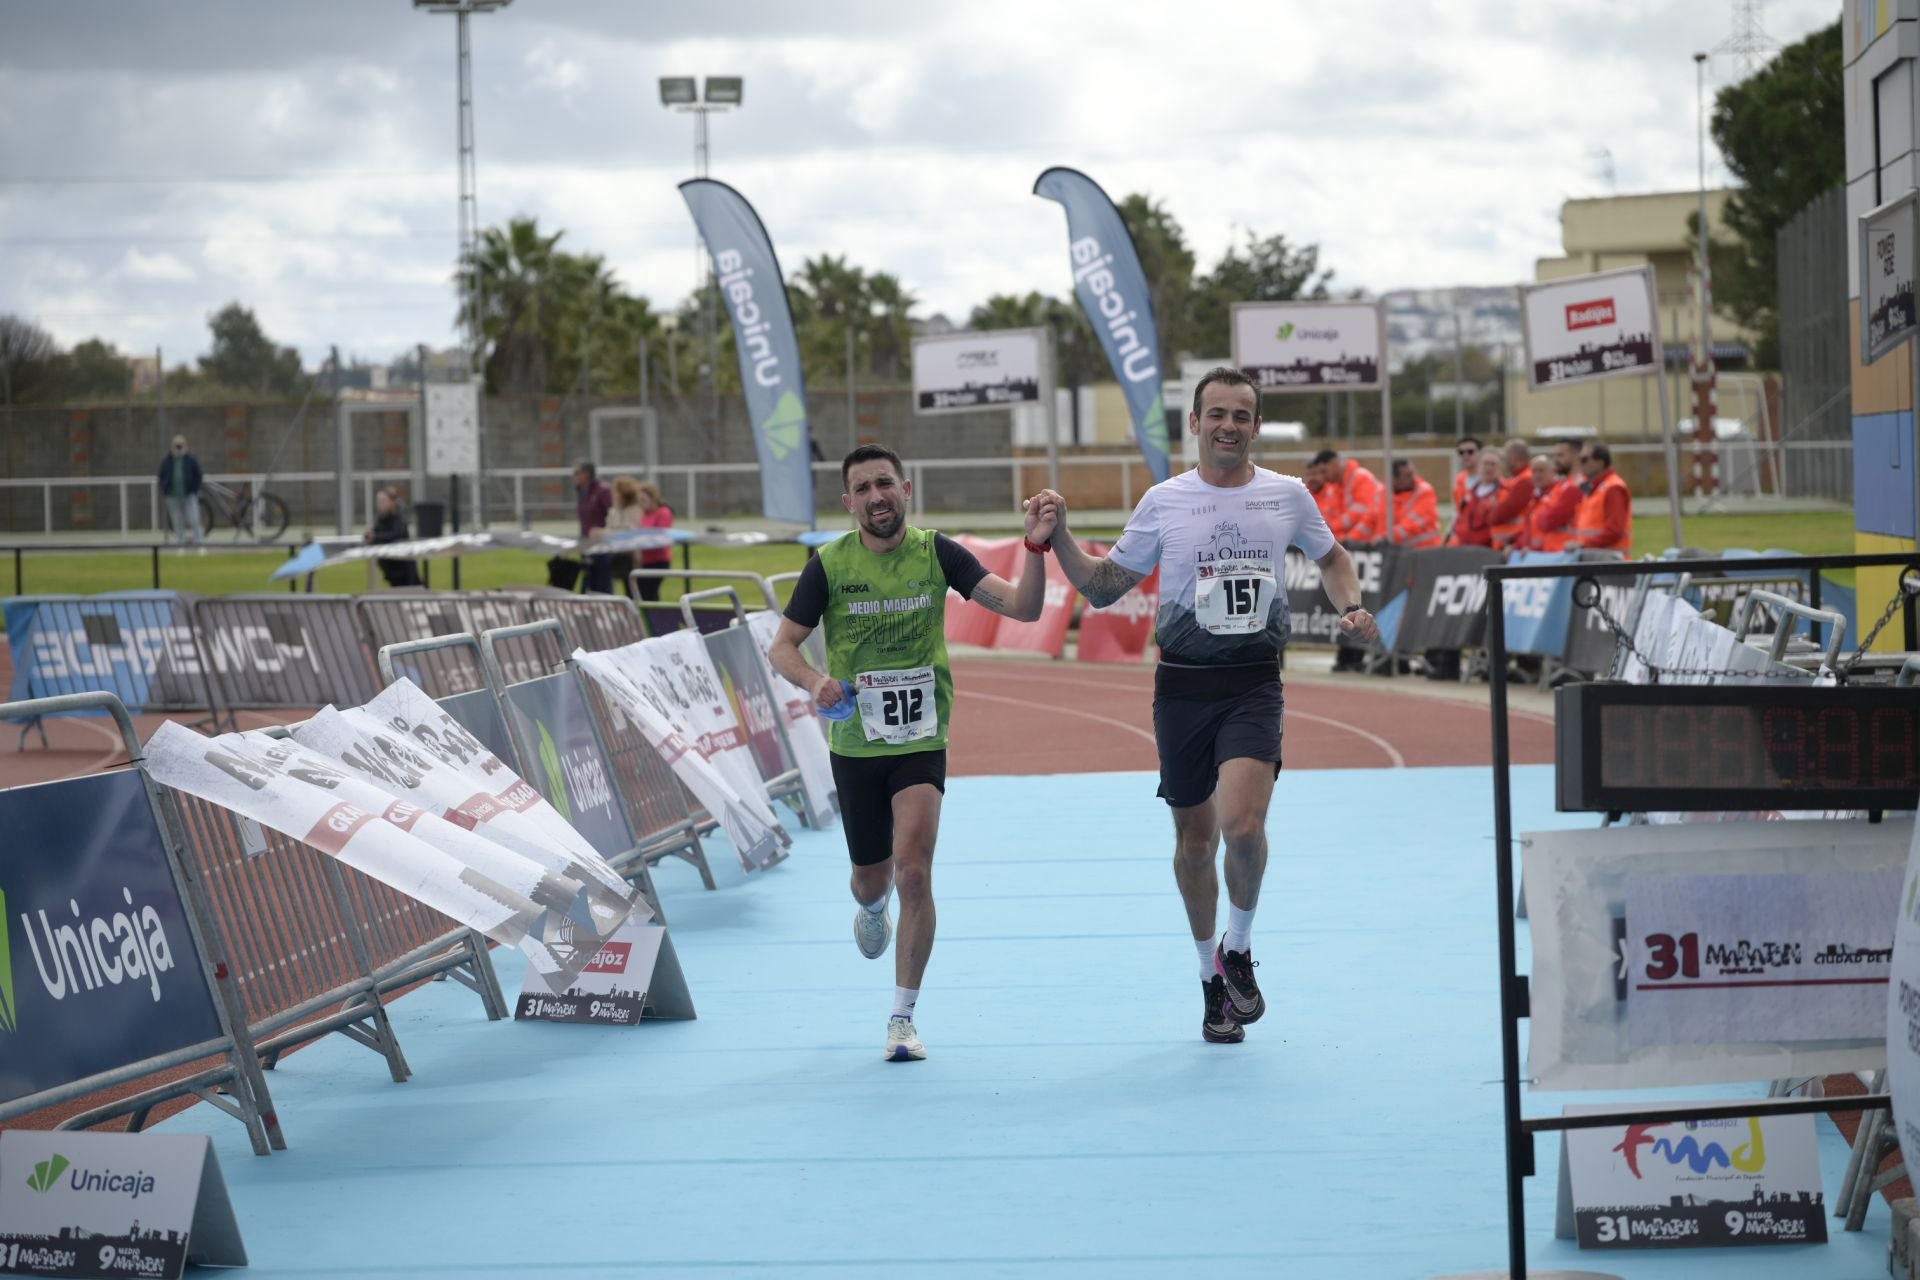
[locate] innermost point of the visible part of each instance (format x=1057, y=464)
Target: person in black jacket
x=390, y=525
x=180, y=478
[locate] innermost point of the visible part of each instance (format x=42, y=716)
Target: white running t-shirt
x=1222, y=558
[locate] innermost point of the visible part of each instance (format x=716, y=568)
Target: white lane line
x=1512, y=711
x=1065, y=711
x=1398, y=761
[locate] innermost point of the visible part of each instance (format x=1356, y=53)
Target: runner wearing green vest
x=881, y=593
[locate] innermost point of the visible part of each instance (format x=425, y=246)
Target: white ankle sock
x=1239, y=928
x=878, y=905
x=904, y=998
x=1205, y=946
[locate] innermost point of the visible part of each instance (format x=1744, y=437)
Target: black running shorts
x=867, y=786
x=1195, y=735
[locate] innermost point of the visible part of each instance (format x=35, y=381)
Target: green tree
x=521, y=278
x=95, y=370
x=1782, y=132
x=243, y=358
x=1076, y=350
x=1167, y=262
x=1265, y=269
x=29, y=361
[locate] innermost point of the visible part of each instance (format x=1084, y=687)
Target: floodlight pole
x=708, y=301
x=469, y=216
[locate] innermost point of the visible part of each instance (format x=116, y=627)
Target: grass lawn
x=227, y=573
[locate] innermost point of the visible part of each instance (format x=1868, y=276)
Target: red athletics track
x=1020, y=715
x=1015, y=716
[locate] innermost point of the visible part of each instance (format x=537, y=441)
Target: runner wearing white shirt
x=1219, y=534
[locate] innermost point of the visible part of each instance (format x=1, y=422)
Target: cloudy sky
x=159, y=160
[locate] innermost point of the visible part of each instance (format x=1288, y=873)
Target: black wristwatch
x=1352, y=608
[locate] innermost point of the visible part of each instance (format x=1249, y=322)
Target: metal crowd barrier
x=279, y=652
x=662, y=617
x=773, y=750
x=236, y=1085
x=139, y=646
x=660, y=818
x=299, y=952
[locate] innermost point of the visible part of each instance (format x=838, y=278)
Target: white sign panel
x=1709, y=953
x=1727, y=1180
x=1887, y=238
x=1903, y=1012
x=113, y=1204
x=806, y=731
x=1735, y=959
x=997, y=368
x=611, y=990
x=1585, y=327
x=453, y=428
x=1311, y=346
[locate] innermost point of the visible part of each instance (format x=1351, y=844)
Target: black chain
x=1906, y=584
x=1655, y=670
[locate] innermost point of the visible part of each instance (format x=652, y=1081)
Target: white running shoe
x=873, y=930
x=903, y=1042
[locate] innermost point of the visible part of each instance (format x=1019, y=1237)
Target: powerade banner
x=1384, y=569
x=563, y=759
x=1113, y=292
x=1537, y=609
x=1446, y=605
x=137, y=645
x=97, y=964
x=756, y=295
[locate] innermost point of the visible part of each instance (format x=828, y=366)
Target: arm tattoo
x=989, y=599
x=1107, y=583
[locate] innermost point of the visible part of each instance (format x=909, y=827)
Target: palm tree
x=516, y=272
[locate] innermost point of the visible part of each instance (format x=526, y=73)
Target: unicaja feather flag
x=1113, y=292
x=756, y=295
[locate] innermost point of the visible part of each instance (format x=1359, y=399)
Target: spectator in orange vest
x=1356, y=491
x=1549, y=516
x=1329, y=499
x=1416, y=508
x=1604, y=518
x=1566, y=460
x=1473, y=520
x=1467, y=449
x=1516, y=491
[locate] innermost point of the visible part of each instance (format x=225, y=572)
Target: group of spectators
x=1510, y=500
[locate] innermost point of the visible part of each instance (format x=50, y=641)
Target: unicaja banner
x=756, y=295
x=1113, y=292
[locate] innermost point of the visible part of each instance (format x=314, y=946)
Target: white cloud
x=553, y=73
x=155, y=266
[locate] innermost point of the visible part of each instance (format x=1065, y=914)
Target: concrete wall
x=520, y=433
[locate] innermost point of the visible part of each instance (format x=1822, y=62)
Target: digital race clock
x=1634, y=748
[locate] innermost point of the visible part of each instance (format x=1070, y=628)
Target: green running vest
x=886, y=612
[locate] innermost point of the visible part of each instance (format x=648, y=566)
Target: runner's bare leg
x=1242, y=796
x=916, y=824
x=1196, y=838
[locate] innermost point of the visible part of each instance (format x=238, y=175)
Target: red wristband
x=1038, y=548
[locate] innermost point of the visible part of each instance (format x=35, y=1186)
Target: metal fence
x=1816, y=356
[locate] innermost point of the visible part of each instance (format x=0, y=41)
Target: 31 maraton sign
x=1887, y=239
x=1311, y=346
x=1594, y=326
x=955, y=372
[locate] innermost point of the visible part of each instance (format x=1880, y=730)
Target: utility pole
x=1459, y=381
x=853, y=441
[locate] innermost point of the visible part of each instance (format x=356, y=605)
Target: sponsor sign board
x=1594, y=326
x=97, y=963
x=1726, y=1180
x=1710, y=953
x=1311, y=346
x=1887, y=239
x=453, y=428
x=806, y=732
x=1903, y=1010
x=1446, y=602
x=138, y=646
x=993, y=369
x=113, y=1204
x=611, y=989
x=564, y=761
x=1384, y=569
x=1536, y=609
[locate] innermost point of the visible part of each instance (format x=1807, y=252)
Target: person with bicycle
x=180, y=478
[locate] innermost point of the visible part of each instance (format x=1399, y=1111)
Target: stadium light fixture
x=724, y=91
x=678, y=91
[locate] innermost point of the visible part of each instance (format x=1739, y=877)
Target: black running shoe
x=1218, y=1026
x=1244, y=1000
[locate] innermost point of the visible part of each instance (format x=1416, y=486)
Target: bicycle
x=262, y=514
